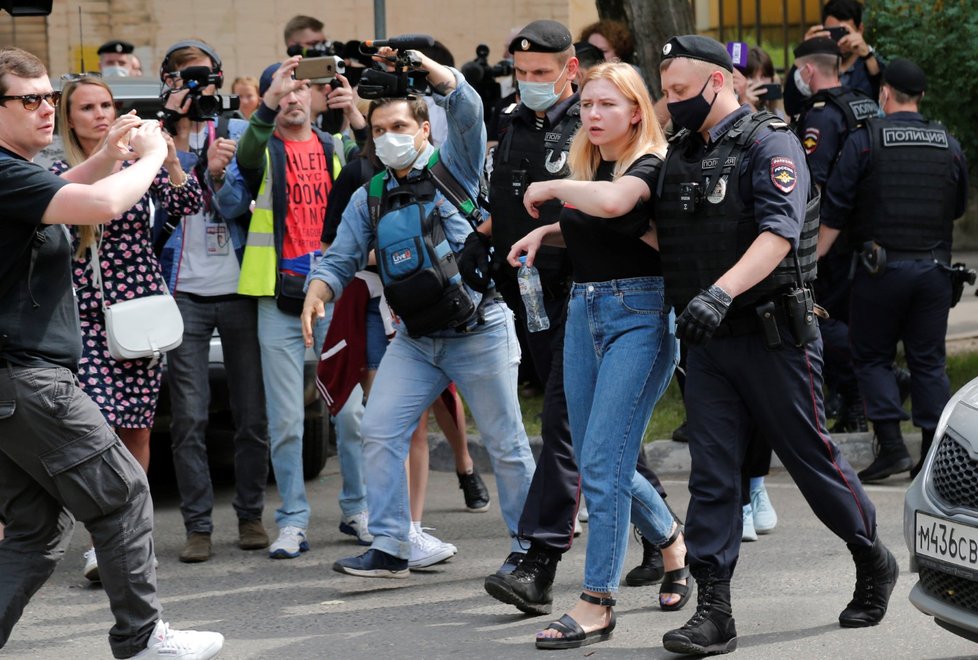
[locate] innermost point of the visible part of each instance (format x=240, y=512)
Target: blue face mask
x=540, y=96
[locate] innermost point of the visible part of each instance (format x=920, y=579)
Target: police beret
x=696, y=47
x=542, y=37
x=116, y=46
x=266, y=78
x=905, y=76
x=738, y=54
x=818, y=46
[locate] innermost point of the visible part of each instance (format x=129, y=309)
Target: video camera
x=202, y=107
x=482, y=76
x=406, y=80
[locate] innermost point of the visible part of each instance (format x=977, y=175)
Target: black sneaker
x=652, y=568
x=373, y=563
x=474, y=489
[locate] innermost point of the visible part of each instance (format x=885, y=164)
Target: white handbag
x=141, y=327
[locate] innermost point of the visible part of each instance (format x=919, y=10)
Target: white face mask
x=115, y=70
x=803, y=87
x=396, y=150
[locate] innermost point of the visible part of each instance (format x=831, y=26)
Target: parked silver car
x=940, y=520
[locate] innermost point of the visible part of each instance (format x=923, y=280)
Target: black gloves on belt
x=473, y=261
x=703, y=315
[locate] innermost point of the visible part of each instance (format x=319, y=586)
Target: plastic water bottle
x=532, y=293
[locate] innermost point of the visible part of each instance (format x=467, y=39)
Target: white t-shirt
x=208, y=265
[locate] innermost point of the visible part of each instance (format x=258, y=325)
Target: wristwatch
x=870, y=53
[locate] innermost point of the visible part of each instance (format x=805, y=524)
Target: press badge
x=218, y=239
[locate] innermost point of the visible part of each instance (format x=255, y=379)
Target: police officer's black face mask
x=692, y=112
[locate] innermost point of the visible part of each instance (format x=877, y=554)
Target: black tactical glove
x=703, y=315
x=473, y=261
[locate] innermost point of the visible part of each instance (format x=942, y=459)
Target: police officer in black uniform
x=899, y=184
x=831, y=112
x=535, y=135
x=736, y=217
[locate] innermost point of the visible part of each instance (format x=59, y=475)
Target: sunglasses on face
x=33, y=101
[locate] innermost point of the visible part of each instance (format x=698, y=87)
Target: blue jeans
x=283, y=356
x=619, y=355
x=415, y=370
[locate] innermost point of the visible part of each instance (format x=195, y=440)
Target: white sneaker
x=582, y=514
x=749, y=533
x=578, y=527
x=423, y=531
x=181, y=644
x=356, y=525
x=291, y=542
x=91, y=566
x=426, y=550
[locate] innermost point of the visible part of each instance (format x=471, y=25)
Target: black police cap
x=818, y=46
x=542, y=37
x=905, y=76
x=116, y=46
x=584, y=49
x=696, y=47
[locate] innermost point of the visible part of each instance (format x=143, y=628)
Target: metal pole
x=720, y=21
x=380, y=19
x=757, y=21
x=784, y=31
x=740, y=20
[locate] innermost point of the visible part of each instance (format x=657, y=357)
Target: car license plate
x=946, y=541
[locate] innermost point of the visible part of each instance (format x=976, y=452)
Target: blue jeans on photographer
x=283, y=355
x=620, y=351
x=413, y=373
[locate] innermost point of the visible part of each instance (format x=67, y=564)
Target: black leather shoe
x=651, y=570
x=475, y=492
x=711, y=630
x=529, y=586
x=876, y=575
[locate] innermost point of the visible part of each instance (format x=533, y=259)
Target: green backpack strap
x=375, y=193
x=453, y=190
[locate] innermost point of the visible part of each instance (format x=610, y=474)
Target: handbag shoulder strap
x=97, y=272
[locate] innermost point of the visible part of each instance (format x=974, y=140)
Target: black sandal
x=573, y=635
x=670, y=581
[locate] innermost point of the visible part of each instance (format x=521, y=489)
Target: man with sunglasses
x=59, y=460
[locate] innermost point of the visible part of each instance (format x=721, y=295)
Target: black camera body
x=482, y=76
x=406, y=81
x=200, y=106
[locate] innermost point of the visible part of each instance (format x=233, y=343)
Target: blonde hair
x=74, y=154
x=645, y=137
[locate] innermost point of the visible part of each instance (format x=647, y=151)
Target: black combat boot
x=926, y=440
x=876, y=575
x=711, y=631
x=652, y=568
x=892, y=456
x=529, y=586
x=852, y=415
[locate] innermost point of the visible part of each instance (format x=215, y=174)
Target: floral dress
x=125, y=391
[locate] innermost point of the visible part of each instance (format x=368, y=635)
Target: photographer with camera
x=288, y=167
x=446, y=330
x=899, y=184
x=201, y=261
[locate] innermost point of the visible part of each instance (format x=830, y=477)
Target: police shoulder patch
x=810, y=140
x=783, y=174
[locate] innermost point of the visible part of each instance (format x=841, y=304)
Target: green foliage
x=940, y=36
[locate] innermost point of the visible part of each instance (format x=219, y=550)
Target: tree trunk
x=652, y=25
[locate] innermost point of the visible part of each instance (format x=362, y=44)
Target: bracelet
x=181, y=184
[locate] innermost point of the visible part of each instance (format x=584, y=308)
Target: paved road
x=788, y=592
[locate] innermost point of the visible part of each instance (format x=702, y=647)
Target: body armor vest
x=703, y=233
x=855, y=106
x=907, y=200
x=522, y=157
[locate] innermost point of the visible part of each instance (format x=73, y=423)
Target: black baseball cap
x=116, y=46
x=905, y=76
x=696, y=47
x=542, y=36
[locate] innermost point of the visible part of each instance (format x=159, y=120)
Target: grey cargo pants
x=60, y=461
